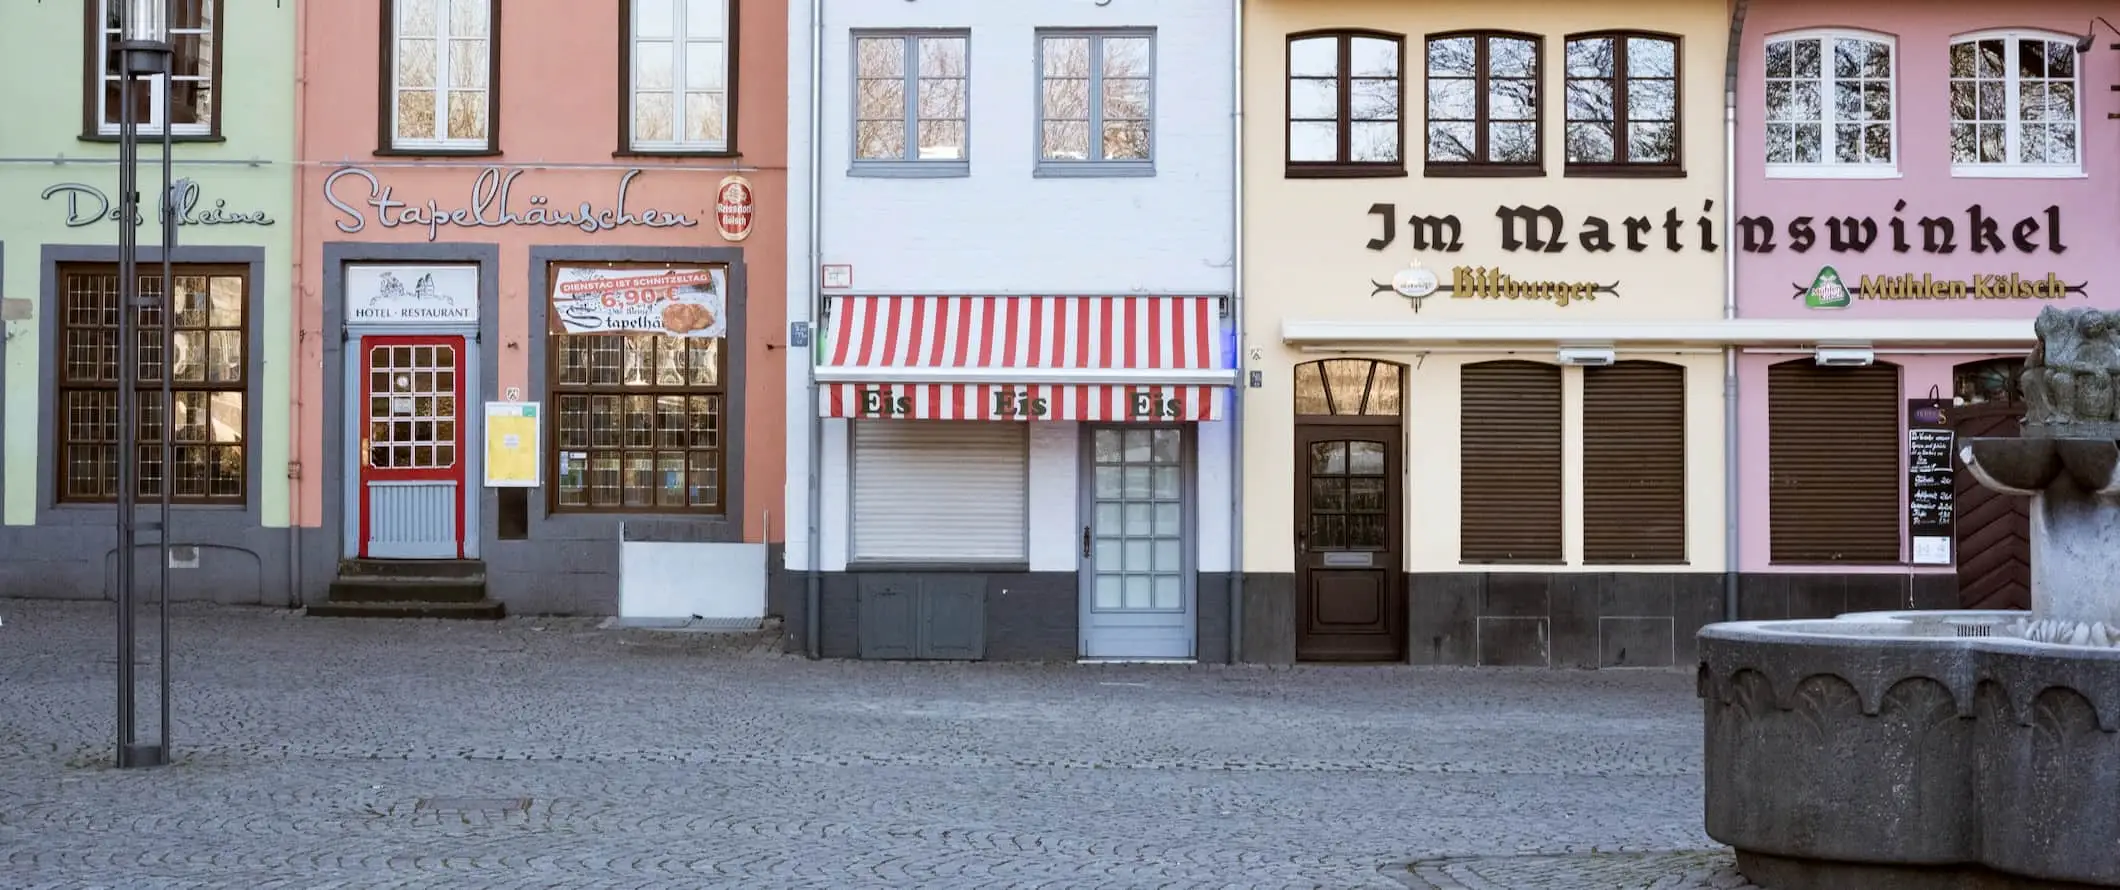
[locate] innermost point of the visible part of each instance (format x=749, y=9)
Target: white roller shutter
x=940, y=490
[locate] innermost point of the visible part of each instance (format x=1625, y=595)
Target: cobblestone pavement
x=551, y=753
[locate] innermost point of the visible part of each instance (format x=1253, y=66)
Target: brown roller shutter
x=1510, y=421
x=1634, y=463
x=1833, y=460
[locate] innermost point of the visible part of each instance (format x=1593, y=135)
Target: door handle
x=1085, y=542
x=1302, y=542
x=364, y=452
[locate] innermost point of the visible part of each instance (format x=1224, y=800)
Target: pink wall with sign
x=1997, y=214
x=560, y=152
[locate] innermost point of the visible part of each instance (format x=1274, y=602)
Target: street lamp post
x=143, y=51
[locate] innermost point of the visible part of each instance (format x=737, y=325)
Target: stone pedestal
x=2074, y=484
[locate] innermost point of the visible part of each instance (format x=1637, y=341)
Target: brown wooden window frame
x=731, y=43
x=1892, y=464
x=558, y=389
x=1341, y=166
x=1622, y=165
x=147, y=384
x=1468, y=494
x=386, y=87
x=96, y=41
x=1656, y=544
x=1482, y=116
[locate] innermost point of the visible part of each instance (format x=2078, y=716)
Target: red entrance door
x=412, y=484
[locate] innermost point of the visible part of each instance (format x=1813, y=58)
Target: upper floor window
x=2014, y=110
x=1343, y=104
x=441, y=62
x=191, y=88
x=912, y=103
x=1483, y=104
x=1623, y=104
x=1095, y=92
x=677, y=75
x=1830, y=105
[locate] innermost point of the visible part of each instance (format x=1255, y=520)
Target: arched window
x=1831, y=104
x=1344, y=91
x=2015, y=104
x=1622, y=104
x=1992, y=380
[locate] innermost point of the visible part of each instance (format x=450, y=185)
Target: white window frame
x=1827, y=168
x=2014, y=114
x=157, y=84
x=1095, y=164
x=679, y=76
x=441, y=88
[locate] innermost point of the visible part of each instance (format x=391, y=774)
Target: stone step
x=407, y=590
x=480, y=610
x=412, y=568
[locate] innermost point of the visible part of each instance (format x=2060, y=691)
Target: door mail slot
x=1349, y=559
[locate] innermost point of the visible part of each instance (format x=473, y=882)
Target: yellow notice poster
x=512, y=431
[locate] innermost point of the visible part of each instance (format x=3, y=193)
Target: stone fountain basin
x=1891, y=750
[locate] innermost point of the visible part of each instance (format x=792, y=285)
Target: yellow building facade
x=1482, y=270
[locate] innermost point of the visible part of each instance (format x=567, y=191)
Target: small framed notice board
x=514, y=450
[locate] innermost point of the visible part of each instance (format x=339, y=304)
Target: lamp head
x=2083, y=44
x=144, y=21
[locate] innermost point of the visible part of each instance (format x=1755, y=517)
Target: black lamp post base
x=144, y=58
x=142, y=755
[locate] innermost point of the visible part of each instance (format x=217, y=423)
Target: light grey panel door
x=1137, y=543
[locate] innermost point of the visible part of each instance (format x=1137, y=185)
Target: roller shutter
x=1834, y=463
x=1634, y=463
x=1510, y=428
x=940, y=490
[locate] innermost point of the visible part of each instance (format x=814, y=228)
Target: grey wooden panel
x=953, y=617
x=886, y=618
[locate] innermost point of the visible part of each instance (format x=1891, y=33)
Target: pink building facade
x=540, y=266
x=1914, y=182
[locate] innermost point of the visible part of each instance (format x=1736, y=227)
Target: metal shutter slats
x=1510, y=428
x=1634, y=463
x=940, y=490
x=1834, y=463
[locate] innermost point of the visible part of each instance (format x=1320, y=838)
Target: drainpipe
x=814, y=578
x=1731, y=542
x=1236, y=313
x=294, y=441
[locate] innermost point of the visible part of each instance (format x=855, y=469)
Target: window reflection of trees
x=1349, y=386
x=1096, y=91
x=2013, y=101
x=1622, y=100
x=1483, y=99
x=1829, y=100
x=937, y=108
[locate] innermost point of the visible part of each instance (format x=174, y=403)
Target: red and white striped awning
x=1091, y=358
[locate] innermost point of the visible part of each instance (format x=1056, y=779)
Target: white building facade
x=1014, y=434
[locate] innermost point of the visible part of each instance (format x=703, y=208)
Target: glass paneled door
x=1137, y=543
x=412, y=479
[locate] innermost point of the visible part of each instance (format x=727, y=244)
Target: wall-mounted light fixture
x=1594, y=356
x=2090, y=36
x=1844, y=357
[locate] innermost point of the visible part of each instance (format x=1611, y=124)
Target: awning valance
x=1084, y=358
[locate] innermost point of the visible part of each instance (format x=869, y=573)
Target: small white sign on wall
x=411, y=295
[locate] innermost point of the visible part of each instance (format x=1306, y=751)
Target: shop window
x=1995, y=380
x=1344, y=104
x=1510, y=463
x=1349, y=387
x=1831, y=104
x=639, y=396
x=209, y=376
x=440, y=62
x=912, y=103
x=678, y=71
x=193, y=86
x=1623, y=105
x=953, y=491
x=1833, y=463
x=2014, y=105
x=1634, y=463
x=1484, y=104
x=1095, y=93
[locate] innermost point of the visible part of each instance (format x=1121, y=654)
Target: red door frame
x=369, y=472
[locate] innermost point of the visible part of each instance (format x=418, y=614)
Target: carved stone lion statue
x=2070, y=376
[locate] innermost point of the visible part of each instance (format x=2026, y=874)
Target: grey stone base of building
x=213, y=559
x=1783, y=873
x=1584, y=619
x=962, y=613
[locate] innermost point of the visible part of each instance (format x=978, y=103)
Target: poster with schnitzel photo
x=685, y=301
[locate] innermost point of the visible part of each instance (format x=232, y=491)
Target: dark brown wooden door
x=1994, y=531
x=1348, y=541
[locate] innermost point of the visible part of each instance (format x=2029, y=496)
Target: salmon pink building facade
x=540, y=304
x=1915, y=182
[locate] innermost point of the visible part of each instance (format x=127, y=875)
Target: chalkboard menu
x=1931, y=480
